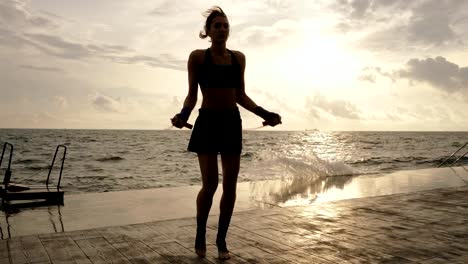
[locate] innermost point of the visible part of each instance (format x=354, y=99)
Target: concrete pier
x=420, y=226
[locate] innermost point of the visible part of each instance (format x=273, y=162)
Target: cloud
x=60, y=101
x=41, y=68
x=266, y=35
x=370, y=74
x=164, y=61
x=355, y=10
x=337, y=108
x=64, y=49
x=15, y=14
x=10, y=39
x=313, y=113
x=389, y=39
x=359, y=8
x=168, y=8
x=438, y=72
x=418, y=113
x=432, y=21
x=59, y=47
x=399, y=24
x=20, y=27
x=106, y=104
x=276, y=103
x=44, y=117
x=368, y=78
x=263, y=21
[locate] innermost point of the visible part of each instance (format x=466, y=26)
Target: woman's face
x=219, y=29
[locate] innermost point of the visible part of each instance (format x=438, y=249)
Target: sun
x=320, y=60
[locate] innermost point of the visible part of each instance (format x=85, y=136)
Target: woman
x=218, y=128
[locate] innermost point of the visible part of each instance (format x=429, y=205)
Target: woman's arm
x=243, y=100
x=180, y=119
x=241, y=97
x=192, y=67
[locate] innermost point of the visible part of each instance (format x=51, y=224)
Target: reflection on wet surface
x=310, y=189
x=22, y=218
x=306, y=189
x=92, y=210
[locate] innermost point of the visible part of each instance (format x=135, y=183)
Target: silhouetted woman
x=218, y=128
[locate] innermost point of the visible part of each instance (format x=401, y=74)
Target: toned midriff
x=219, y=99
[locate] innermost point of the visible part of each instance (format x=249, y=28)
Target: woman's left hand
x=273, y=120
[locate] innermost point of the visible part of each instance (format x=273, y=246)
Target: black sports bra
x=219, y=75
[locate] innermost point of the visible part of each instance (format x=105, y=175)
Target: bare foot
x=223, y=255
x=200, y=244
x=200, y=252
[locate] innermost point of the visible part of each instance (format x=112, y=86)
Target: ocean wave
x=463, y=160
x=370, y=142
x=308, y=159
x=247, y=155
x=27, y=161
x=36, y=168
x=407, y=159
x=127, y=178
x=387, y=160
x=429, y=162
x=306, y=164
x=112, y=158
x=368, y=161
x=93, y=178
x=86, y=139
x=31, y=181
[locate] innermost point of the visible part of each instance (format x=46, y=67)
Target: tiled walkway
x=421, y=227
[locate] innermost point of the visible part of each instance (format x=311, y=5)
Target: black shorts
x=217, y=132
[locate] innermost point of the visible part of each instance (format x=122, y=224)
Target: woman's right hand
x=180, y=119
x=178, y=122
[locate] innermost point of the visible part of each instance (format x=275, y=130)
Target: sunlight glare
x=320, y=60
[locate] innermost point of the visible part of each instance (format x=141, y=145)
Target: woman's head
x=216, y=24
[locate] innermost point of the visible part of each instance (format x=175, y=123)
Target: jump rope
x=190, y=126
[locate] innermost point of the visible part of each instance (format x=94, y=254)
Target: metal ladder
x=453, y=154
x=61, y=166
x=6, y=179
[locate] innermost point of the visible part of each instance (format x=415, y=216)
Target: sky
x=348, y=65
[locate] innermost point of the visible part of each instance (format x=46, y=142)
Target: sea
x=115, y=160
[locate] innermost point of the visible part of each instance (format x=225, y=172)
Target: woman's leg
x=209, y=172
x=230, y=163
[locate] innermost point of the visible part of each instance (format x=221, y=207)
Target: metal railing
x=6, y=179
x=61, y=167
x=453, y=154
